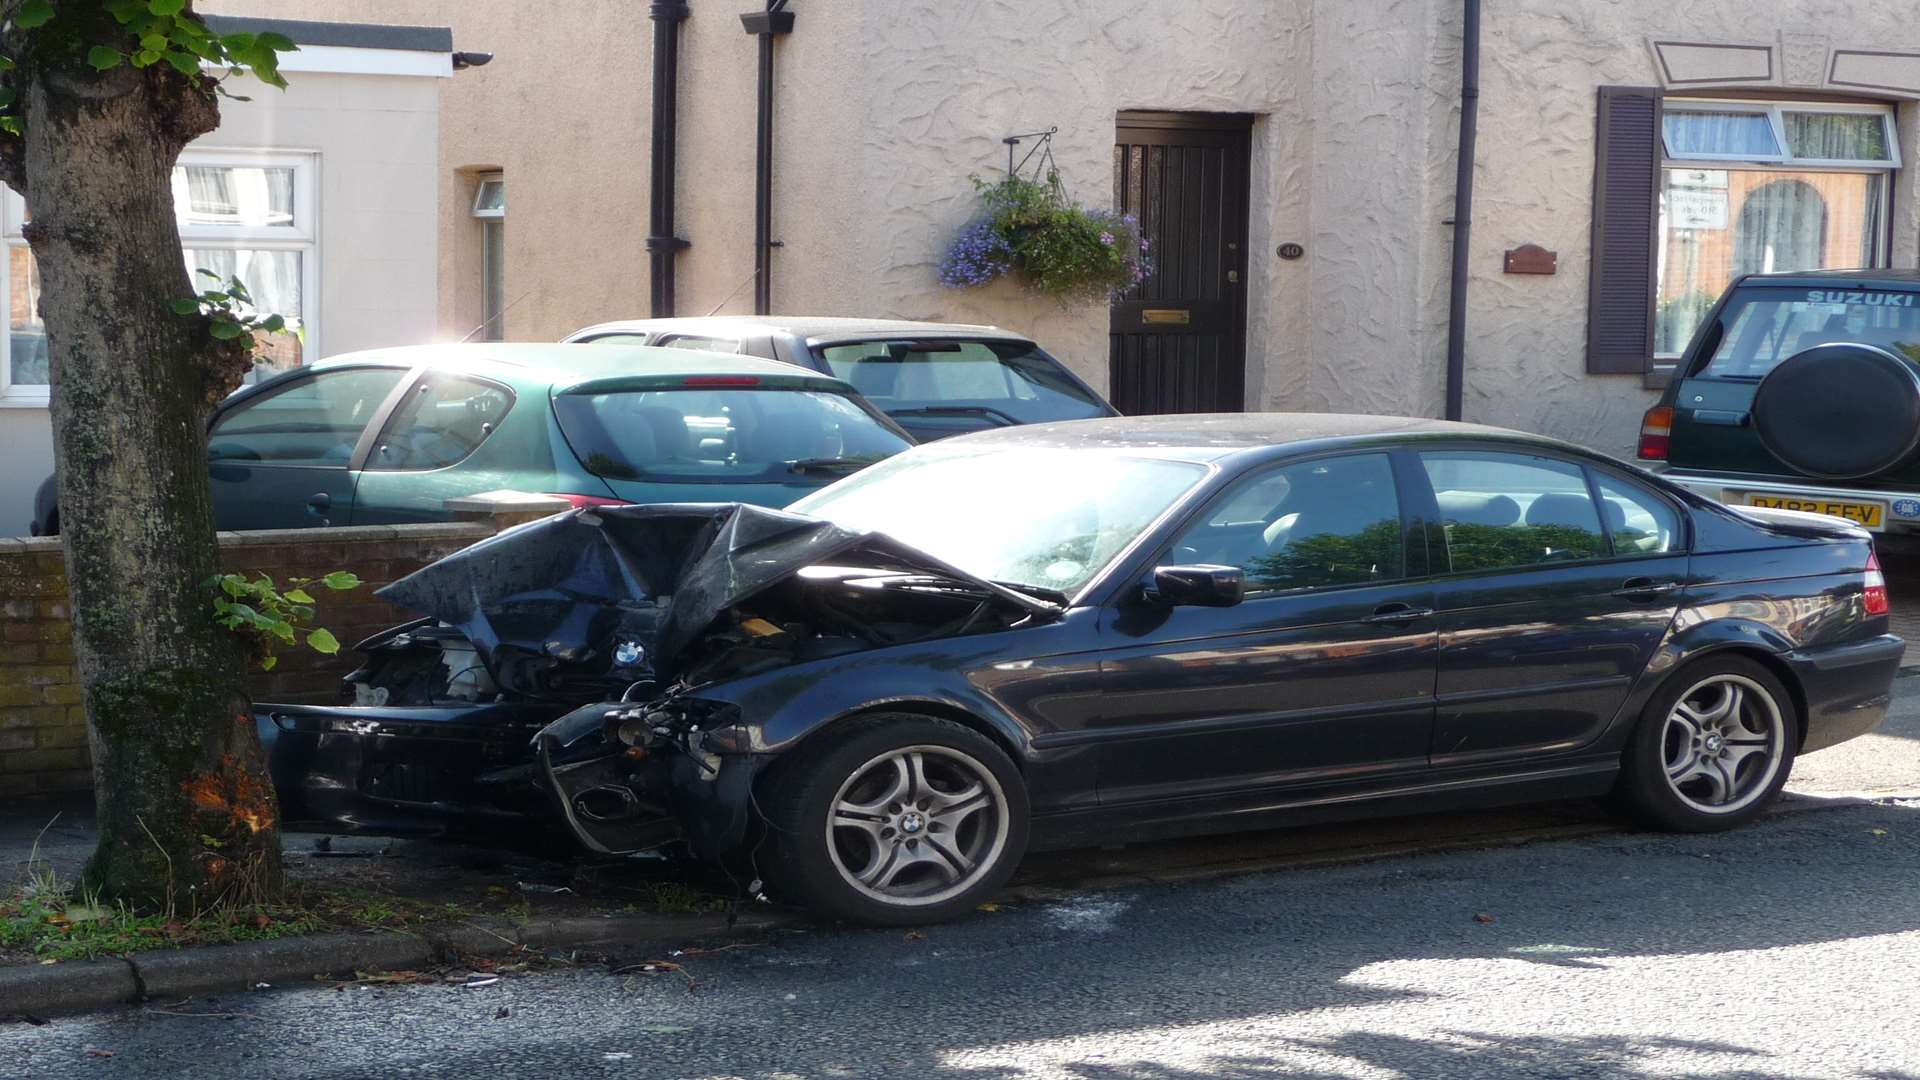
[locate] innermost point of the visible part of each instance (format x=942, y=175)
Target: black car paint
x=1131, y=719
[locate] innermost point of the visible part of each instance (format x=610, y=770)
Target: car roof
x=570, y=365
x=804, y=326
x=1859, y=279
x=1214, y=436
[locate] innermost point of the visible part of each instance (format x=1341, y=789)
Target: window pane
x=26, y=335
x=233, y=195
x=315, y=421
x=1690, y=133
x=1716, y=224
x=1007, y=377
x=1837, y=136
x=1765, y=326
x=1641, y=523
x=706, y=436
x=273, y=279
x=1318, y=524
x=1510, y=510
x=443, y=419
x=617, y=339
x=490, y=199
x=703, y=344
x=493, y=280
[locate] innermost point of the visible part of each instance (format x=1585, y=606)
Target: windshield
x=731, y=435
x=1045, y=519
x=1009, y=378
x=1765, y=326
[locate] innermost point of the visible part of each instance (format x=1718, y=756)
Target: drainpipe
x=766, y=25
x=1463, y=208
x=662, y=244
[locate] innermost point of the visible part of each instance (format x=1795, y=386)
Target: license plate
x=1871, y=514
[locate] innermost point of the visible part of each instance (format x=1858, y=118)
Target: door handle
x=1645, y=588
x=1397, y=612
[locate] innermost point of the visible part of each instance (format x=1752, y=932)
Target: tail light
x=1656, y=429
x=581, y=501
x=1875, y=581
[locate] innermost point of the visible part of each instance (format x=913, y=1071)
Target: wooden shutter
x=1626, y=214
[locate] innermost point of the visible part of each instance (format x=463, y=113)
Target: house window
x=490, y=208
x=1763, y=187
x=244, y=214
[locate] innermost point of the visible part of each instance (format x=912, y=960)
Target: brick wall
x=43, y=730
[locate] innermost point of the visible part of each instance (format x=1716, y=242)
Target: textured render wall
x=1542, y=61
x=563, y=111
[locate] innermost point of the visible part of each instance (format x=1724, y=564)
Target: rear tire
x=1712, y=749
x=895, y=819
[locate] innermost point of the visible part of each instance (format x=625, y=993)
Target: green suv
x=389, y=436
x=1801, y=391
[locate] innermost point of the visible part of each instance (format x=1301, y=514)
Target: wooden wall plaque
x=1532, y=259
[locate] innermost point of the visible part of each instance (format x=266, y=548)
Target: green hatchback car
x=389, y=436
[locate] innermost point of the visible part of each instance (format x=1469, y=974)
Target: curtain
x=1837, y=136
x=1690, y=133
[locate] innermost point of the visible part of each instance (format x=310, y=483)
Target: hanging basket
x=1047, y=242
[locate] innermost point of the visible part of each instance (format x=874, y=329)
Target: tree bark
x=186, y=811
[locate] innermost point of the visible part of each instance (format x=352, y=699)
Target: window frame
x=302, y=236
x=1663, y=365
x=493, y=324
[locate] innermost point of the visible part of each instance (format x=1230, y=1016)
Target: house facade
x=1293, y=162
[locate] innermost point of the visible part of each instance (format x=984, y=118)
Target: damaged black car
x=1103, y=631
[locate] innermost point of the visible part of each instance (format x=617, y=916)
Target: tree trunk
x=186, y=811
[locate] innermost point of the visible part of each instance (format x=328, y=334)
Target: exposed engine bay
x=557, y=670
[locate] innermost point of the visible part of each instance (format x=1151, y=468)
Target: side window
x=1512, y=510
x=1641, y=522
x=314, y=421
x=617, y=339
x=441, y=421
x=1315, y=524
x=703, y=344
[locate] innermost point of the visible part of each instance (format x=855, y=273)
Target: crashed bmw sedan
x=1105, y=630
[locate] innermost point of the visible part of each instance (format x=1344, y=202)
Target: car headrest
x=1563, y=508
x=1473, y=508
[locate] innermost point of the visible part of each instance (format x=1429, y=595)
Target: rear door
x=448, y=436
x=283, y=459
x=1546, y=613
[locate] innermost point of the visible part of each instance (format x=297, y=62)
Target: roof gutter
x=662, y=244
x=1462, y=221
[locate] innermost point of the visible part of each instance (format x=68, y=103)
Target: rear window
x=720, y=435
x=1762, y=327
x=1011, y=378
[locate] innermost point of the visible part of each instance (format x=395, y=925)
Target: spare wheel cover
x=1840, y=411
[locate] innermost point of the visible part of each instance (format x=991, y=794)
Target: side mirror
x=1203, y=585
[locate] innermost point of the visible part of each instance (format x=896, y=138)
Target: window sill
x=24, y=398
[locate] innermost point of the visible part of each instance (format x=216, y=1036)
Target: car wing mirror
x=1199, y=585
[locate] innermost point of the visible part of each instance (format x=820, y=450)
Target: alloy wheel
x=1723, y=744
x=917, y=825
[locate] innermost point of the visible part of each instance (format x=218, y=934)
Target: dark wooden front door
x=1179, y=340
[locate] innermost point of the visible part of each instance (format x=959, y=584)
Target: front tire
x=1712, y=749
x=895, y=819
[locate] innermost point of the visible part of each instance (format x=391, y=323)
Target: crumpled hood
x=585, y=582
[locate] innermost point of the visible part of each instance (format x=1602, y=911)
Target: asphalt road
x=1787, y=949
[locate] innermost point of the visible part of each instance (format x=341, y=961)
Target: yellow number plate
x=1871, y=514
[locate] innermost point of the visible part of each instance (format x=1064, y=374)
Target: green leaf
x=214, y=297
x=273, y=324
x=166, y=7
x=154, y=42
x=341, y=580
x=186, y=306
x=225, y=330
x=267, y=662
x=214, y=274
x=10, y=125
x=298, y=596
x=320, y=641
x=232, y=585
x=183, y=61
x=145, y=58
x=283, y=630
x=275, y=42
x=103, y=58
x=33, y=13
x=6, y=63
x=237, y=43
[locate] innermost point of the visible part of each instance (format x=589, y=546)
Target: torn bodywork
x=558, y=674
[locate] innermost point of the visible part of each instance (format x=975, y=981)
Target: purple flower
x=1106, y=238
x=976, y=256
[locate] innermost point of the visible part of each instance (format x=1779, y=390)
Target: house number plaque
x=1167, y=316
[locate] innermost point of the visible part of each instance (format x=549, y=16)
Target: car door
x=448, y=437
x=1323, y=673
x=282, y=459
x=1546, y=613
